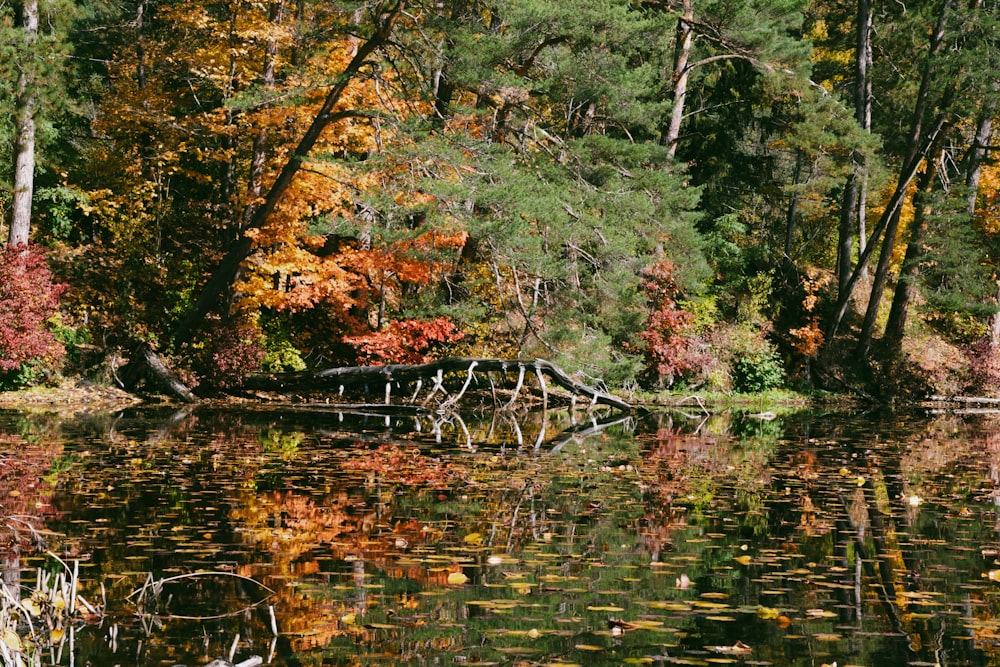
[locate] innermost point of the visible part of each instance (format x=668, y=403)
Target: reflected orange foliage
x=25, y=493
x=345, y=526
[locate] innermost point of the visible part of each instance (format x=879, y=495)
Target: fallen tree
x=394, y=377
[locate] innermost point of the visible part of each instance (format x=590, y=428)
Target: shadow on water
x=320, y=537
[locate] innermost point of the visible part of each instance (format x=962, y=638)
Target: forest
x=697, y=195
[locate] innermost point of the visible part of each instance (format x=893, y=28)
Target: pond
x=317, y=537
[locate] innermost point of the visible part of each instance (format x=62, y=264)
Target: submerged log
x=429, y=374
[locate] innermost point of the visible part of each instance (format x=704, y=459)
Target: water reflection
x=350, y=538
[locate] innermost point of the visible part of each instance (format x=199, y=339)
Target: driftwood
x=980, y=400
x=421, y=375
x=390, y=377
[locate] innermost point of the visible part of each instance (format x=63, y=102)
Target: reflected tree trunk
x=11, y=573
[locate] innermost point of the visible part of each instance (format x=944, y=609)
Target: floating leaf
x=767, y=613
x=588, y=647
x=739, y=648
x=669, y=605
x=705, y=604
x=457, y=578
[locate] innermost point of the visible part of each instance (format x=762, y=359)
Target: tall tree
x=974, y=44
x=924, y=130
x=566, y=189
x=26, y=104
x=383, y=19
x=906, y=286
x=35, y=94
x=760, y=33
x=971, y=92
x=852, y=213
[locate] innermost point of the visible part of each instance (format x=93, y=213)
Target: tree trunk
x=793, y=208
x=863, y=109
x=255, y=185
x=977, y=153
x=845, y=235
x=907, y=284
x=24, y=148
x=443, y=88
x=681, y=72
x=143, y=361
x=921, y=106
x=973, y=171
x=140, y=51
x=852, y=212
x=890, y=214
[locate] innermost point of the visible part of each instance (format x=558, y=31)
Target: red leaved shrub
x=668, y=344
x=233, y=348
x=404, y=341
x=28, y=298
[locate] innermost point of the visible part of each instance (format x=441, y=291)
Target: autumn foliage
x=28, y=298
x=232, y=349
x=808, y=339
x=667, y=349
x=405, y=341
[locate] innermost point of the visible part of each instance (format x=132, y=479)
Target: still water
x=312, y=537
